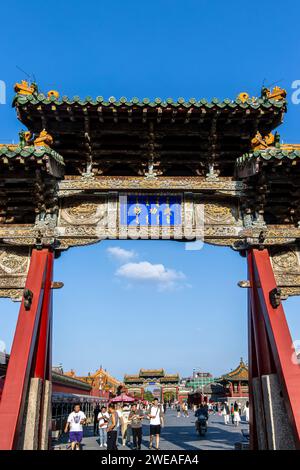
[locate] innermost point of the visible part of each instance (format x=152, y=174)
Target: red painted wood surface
x=23, y=349
x=271, y=347
x=41, y=369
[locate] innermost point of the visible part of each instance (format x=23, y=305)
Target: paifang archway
x=92, y=169
x=136, y=384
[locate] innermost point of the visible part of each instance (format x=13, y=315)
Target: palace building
x=230, y=387
x=236, y=381
x=100, y=380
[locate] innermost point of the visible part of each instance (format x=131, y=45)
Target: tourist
x=246, y=411
x=178, y=409
x=236, y=415
x=103, y=419
x=155, y=417
x=74, y=424
x=225, y=412
x=185, y=410
x=112, y=429
x=96, y=412
x=125, y=428
x=135, y=420
x=119, y=410
x=232, y=412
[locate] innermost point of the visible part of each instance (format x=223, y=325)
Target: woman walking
x=246, y=410
x=236, y=416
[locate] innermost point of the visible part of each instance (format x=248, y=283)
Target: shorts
x=155, y=429
x=76, y=436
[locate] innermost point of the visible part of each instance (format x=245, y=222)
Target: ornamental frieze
x=14, y=265
x=285, y=259
x=13, y=294
x=13, y=262
x=115, y=183
x=82, y=212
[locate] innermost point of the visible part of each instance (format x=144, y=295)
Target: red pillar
x=270, y=345
x=27, y=349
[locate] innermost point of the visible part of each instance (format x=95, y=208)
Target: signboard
x=151, y=210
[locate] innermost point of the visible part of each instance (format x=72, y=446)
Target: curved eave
x=20, y=100
x=12, y=152
x=249, y=163
x=61, y=379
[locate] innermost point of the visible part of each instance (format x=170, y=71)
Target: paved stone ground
x=180, y=434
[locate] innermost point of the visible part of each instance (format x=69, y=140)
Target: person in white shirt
x=155, y=417
x=246, y=411
x=125, y=427
x=103, y=418
x=74, y=424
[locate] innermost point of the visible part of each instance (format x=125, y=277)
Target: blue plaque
x=150, y=210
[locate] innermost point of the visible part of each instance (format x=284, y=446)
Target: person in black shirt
x=96, y=412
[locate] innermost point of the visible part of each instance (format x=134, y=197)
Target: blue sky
x=190, y=313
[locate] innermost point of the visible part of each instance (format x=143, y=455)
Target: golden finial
x=53, y=93
x=43, y=140
x=24, y=88
x=243, y=96
x=277, y=94
x=260, y=143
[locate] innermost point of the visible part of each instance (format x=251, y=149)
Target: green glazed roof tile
x=20, y=100
x=38, y=152
x=267, y=154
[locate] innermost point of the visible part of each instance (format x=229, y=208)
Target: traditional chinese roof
x=100, y=373
x=21, y=100
x=31, y=156
x=152, y=373
x=240, y=373
x=72, y=382
x=133, y=379
x=249, y=164
x=172, y=378
x=120, y=136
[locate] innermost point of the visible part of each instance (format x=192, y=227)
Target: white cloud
x=144, y=271
x=120, y=253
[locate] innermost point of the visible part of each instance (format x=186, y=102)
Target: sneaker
x=100, y=445
x=105, y=445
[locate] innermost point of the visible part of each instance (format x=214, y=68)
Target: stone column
x=30, y=437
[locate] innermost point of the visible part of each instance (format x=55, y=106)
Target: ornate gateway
x=91, y=169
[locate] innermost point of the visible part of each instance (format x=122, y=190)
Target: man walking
x=96, y=412
x=135, y=420
x=74, y=424
x=112, y=432
x=155, y=417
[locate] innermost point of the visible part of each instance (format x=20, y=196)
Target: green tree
x=148, y=395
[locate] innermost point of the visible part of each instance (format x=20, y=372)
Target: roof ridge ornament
x=44, y=139
x=26, y=88
x=244, y=97
x=260, y=142
x=277, y=94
